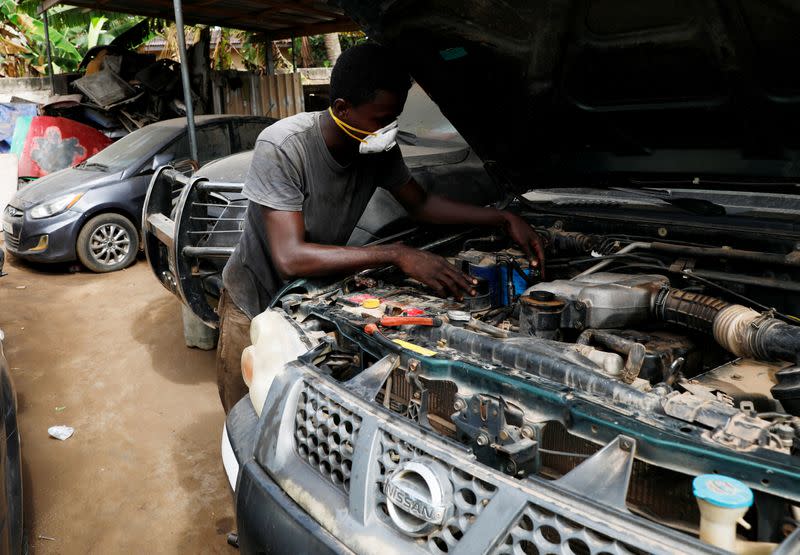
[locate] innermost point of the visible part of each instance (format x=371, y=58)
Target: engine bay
x=677, y=344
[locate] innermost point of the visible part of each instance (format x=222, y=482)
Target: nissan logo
x=419, y=497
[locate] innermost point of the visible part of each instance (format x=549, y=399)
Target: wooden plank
x=301, y=99
x=262, y=95
x=273, y=96
x=281, y=96
x=292, y=93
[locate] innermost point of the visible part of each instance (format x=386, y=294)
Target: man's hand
x=439, y=210
x=529, y=241
x=435, y=272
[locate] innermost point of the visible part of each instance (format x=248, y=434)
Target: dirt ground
x=105, y=355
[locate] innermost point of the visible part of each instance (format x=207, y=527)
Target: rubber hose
x=688, y=309
x=738, y=329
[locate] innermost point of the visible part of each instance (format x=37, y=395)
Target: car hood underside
x=560, y=91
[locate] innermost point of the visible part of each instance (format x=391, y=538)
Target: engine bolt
x=482, y=440
x=503, y=435
x=459, y=404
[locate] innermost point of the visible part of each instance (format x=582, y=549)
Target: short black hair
x=362, y=70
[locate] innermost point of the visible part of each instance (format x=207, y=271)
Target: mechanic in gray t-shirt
x=311, y=177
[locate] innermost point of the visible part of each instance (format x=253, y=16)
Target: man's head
x=368, y=87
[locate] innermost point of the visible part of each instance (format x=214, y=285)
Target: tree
x=72, y=33
x=332, y=47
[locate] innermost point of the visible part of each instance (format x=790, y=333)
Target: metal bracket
x=605, y=475
x=368, y=383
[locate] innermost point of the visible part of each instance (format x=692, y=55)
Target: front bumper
x=268, y=520
x=23, y=233
x=308, y=486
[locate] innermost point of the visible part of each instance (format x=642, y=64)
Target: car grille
x=471, y=495
x=325, y=433
x=541, y=531
x=333, y=453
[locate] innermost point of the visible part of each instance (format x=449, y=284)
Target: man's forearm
x=314, y=260
x=440, y=210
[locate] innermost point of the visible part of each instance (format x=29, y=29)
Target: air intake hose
x=739, y=329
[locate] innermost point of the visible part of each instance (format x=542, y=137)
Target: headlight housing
x=55, y=206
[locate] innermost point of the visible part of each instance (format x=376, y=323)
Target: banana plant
x=73, y=32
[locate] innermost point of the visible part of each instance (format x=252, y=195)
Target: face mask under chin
x=373, y=142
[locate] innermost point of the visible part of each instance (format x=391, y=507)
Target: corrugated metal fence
x=240, y=92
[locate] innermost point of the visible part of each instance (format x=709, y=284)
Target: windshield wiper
x=699, y=206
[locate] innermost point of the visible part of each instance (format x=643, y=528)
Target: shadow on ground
x=202, y=478
x=169, y=355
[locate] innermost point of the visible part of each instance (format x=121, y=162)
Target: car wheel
x=107, y=243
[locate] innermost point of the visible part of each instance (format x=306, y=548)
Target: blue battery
x=497, y=277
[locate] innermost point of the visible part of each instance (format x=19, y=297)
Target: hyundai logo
x=419, y=497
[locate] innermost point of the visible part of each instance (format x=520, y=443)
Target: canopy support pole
x=49, y=54
x=187, y=89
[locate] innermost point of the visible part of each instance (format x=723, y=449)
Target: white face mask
x=379, y=141
x=374, y=141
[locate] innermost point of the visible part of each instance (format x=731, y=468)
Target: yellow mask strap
x=348, y=128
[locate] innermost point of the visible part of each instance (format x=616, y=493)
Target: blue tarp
x=9, y=112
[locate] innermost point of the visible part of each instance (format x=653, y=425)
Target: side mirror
x=161, y=159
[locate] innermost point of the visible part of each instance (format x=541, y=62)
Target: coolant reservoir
x=275, y=343
x=723, y=501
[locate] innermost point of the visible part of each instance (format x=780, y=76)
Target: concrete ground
x=105, y=355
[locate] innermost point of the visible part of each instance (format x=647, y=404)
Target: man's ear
x=340, y=108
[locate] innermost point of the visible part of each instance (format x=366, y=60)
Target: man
x=311, y=177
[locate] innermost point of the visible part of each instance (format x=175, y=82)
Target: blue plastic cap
x=722, y=491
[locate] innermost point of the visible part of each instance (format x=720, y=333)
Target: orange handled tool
x=391, y=321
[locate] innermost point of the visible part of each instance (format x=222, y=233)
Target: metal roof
x=276, y=19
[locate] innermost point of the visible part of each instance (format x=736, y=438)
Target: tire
x=107, y=243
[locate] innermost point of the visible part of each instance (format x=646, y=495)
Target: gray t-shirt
x=293, y=170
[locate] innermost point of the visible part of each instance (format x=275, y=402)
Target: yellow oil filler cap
x=371, y=303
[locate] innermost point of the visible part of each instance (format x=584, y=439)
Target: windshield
x=131, y=148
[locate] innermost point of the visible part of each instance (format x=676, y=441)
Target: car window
x=213, y=141
x=131, y=148
x=179, y=148
x=247, y=133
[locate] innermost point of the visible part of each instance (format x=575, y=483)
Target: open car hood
x=556, y=92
